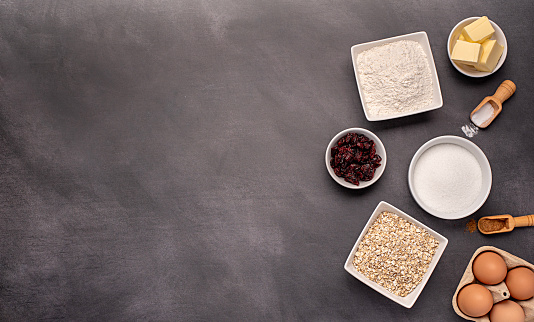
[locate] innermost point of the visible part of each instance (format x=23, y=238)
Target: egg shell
x=489, y=268
x=500, y=291
x=520, y=283
x=475, y=300
x=507, y=311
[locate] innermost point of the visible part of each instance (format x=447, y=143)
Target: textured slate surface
x=164, y=160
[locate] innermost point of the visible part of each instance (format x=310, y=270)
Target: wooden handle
x=505, y=90
x=524, y=221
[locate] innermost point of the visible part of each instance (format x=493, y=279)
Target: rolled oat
x=395, y=253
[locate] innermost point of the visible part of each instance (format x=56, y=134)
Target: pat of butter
x=478, y=31
x=491, y=52
x=466, y=52
x=461, y=37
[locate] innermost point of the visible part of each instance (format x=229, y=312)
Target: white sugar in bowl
x=450, y=177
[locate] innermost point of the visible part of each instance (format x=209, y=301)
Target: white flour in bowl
x=395, y=78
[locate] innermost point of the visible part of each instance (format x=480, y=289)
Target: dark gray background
x=164, y=160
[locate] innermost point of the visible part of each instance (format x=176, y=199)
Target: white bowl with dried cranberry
x=355, y=158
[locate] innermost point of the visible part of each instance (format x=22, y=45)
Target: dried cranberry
x=354, y=158
x=372, y=152
x=367, y=171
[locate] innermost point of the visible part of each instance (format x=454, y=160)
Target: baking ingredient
x=471, y=226
x=466, y=53
x=470, y=130
x=395, y=253
x=354, y=158
x=491, y=52
x=395, y=78
x=520, y=283
x=507, y=311
x=479, y=30
x=447, y=178
x=474, y=300
x=489, y=268
x=475, y=48
x=483, y=114
x=489, y=225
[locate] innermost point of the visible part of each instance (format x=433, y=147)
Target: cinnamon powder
x=492, y=224
x=471, y=226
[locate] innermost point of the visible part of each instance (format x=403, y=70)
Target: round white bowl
x=469, y=70
x=484, y=166
x=380, y=150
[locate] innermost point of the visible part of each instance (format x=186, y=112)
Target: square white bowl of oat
x=400, y=270
x=396, y=76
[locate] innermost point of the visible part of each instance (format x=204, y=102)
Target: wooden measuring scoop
x=505, y=90
x=503, y=223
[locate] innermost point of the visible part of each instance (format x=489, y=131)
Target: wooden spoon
x=505, y=90
x=509, y=223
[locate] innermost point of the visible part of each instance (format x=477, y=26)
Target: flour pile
x=395, y=78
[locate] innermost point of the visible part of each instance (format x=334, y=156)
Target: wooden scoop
x=505, y=90
x=503, y=223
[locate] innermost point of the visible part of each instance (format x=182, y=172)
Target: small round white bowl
x=468, y=70
x=484, y=166
x=380, y=150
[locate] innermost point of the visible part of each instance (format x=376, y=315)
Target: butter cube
x=478, y=31
x=466, y=52
x=491, y=52
x=461, y=37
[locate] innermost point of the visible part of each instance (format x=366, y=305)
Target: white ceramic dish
x=422, y=38
x=484, y=166
x=380, y=150
x=469, y=70
x=409, y=300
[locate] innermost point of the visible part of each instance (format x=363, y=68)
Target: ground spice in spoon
x=492, y=224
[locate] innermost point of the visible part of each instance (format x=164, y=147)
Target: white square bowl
x=422, y=38
x=409, y=300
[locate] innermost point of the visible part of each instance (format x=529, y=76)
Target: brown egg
x=520, y=283
x=507, y=311
x=489, y=268
x=475, y=300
